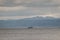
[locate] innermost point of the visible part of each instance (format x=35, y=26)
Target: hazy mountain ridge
x=34, y=21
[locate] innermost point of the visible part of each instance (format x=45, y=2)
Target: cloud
x=29, y=7
x=1, y=1
x=33, y=11
x=12, y=8
x=17, y=1
x=10, y=4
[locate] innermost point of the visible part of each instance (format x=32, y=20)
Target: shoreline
x=29, y=28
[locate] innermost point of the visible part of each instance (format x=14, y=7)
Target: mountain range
x=31, y=22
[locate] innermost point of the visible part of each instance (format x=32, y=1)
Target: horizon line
x=22, y=17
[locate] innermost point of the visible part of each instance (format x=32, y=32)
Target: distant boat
x=30, y=27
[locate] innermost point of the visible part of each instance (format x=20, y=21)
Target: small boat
x=30, y=27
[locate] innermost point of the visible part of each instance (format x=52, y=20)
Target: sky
x=15, y=9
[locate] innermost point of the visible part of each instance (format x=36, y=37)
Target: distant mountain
x=31, y=22
x=40, y=18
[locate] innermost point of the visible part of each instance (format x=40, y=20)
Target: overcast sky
x=26, y=8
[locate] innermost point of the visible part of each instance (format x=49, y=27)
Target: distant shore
x=31, y=28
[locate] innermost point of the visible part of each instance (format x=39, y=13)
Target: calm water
x=30, y=34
